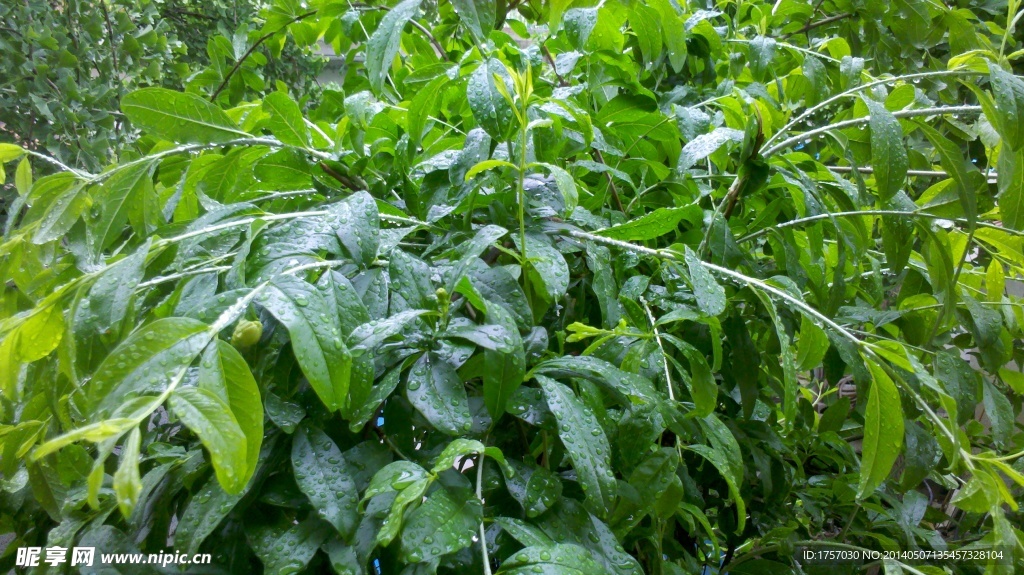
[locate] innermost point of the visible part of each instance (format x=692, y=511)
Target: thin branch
x=992, y=176
x=249, y=52
x=812, y=25
x=937, y=111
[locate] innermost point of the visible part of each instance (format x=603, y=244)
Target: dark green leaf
x=209, y=417
x=382, y=47
x=888, y=156
x=436, y=391
x=323, y=475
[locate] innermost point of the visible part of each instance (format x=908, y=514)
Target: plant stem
x=479, y=495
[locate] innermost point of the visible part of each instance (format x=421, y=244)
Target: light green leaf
x=209, y=417
x=586, y=443
x=652, y=224
x=10, y=152
x=127, y=482
x=61, y=212
x=969, y=181
x=488, y=165
x=224, y=372
x=883, y=431
x=23, y=177
x=382, y=47
x=120, y=198
x=179, y=117
x=888, y=156
x=286, y=121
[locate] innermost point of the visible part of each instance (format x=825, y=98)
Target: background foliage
x=544, y=287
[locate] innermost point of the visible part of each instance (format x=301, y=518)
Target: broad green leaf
x=1008, y=92
x=23, y=177
x=883, y=431
x=494, y=337
x=410, y=283
x=287, y=546
x=394, y=476
x=478, y=15
x=179, y=117
x=286, y=121
x=566, y=185
x=10, y=152
x=322, y=473
x=485, y=165
x=586, y=443
x=710, y=295
x=436, y=391
x=382, y=47
x=108, y=299
x=969, y=181
x=626, y=387
x=888, y=156
x=369, y=335
x=147, y=361
x=39, y=334
x=706, y=144
x=654, y=476
x=490, y=108
x=209, y=417
x=702, y=385
x=378, y=393
x=121, y=198
x=445, y=523
x=535, y=488
x=358, y=227
x=62, y=211
x=651, y=225
x=1000, y=414
x=505, y=367
x=762, y=52
x=127, y=482
x=811, y=346
x=548, y=270
x=561, y=559
x=1011, y=188
x=317, y=343
x=224, y=372
x=423, y=105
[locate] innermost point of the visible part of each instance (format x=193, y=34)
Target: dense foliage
x=546, y=287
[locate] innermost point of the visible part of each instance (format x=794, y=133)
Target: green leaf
x=63, y=210
x=209, y=417
x=535, y=488
x=147, y=361
x=548, y=269
x=478, y=15
x=586, y=443
x=286, y=547
x=811, y=346
x=23, y=177
x=762, y=52
x=224, y=372
x=436, y=391
x=358, y=227
x=566, y=186
x=1010, y=183
x=382, y=47
x=702, y=385
x=394, y=476
x=506, y=367
x=883, y=431
x=888, y=156
x=443, y=524
x=710, y=295
x=318, y=344
x=10, y=152
x=179, y=117
x=1008, y=92
x=422, y=106
x=410, y=283
x=322, y=473
x=127, y=482
x=109, y=298
x=626, y=387
x=369, y=335
x=1000, y=413
x=286, y=121
x=652, y=224
x=209, y=505
x=562, y=559
x=969, y=181
x=119, y=199
x=490, y=108
x=494, y=337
